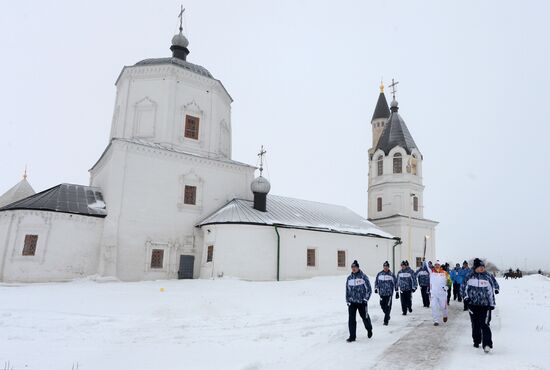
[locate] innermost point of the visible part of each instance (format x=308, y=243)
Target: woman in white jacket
x=439, y=284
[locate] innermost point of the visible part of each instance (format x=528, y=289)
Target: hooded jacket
x=423, y=276
x=406, y=280
x=385, y=283
x=479, y=289
x=358, y=288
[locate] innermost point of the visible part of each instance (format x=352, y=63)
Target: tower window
x=341, y=258
x=210, y=253
x=413, y=165
x=380, y=165
x=397, y=163
x=190, y=196
x=379, y=204
x=415, y=204
x=192, y=127
x=29, y=247
x=157, y=258
x=311, y=257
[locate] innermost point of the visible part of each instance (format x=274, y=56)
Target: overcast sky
x=304, y=75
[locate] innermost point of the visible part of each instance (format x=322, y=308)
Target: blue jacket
x=423, y=276
x=479, y=289
x=358, y=289
x=456, y=276
x=464, y=272
x=406, y=280
x=385, y=283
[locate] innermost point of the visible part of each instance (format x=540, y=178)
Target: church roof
x=382, y=110
x=178, y=62
x=64, y=198
x=295, y=213
x=19, y=191
x=395, y=134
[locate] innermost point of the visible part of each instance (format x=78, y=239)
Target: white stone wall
x=67, y=247
x=152, y=101
x=250, y=252
x=395, y=189
x=143, y=188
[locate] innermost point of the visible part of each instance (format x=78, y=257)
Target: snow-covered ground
x=232, y=324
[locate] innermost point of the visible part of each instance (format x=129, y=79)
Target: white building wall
x=250, y=252
x=67, y=247
x=152, y=102
x=150, y=213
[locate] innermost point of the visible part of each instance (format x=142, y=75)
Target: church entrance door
x=187, y=264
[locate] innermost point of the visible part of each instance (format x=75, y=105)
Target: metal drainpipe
x=397, y=242
x=278, y=251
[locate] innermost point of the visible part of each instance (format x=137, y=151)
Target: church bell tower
x=396, y=189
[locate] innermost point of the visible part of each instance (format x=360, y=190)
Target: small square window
x=29, y=247
x=210, y=253
x=190, y=196
x=311, y=257
x=192, y=127
x=341, y=258
x=157, y=258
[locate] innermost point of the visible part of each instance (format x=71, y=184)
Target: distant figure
x=479, y=291
x=384, y=286
x=457, y=280
x=439, y=285
x=423, y=277
x=446, y=269
x=358, y=292
x=406, y=283
x=464, y=272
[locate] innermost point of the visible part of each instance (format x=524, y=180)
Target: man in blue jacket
x=479, y=291
x=406, y=283
x=457, y=280
x=358, y=292
x=423, y=277
x=464, y=272
x=384, y=286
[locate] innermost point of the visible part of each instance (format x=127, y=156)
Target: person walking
x=384, y=286
x=406, y=284
x=439, y=284
x=457, y=279
x=445, y=267
x=423, y=277
x=358, y=292
x=464, y=272
x=479, y=291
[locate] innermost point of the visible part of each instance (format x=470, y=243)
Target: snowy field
x=231, y=324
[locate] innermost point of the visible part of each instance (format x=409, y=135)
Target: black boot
x=350, y=339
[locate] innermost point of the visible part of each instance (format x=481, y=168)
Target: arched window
x=380, y=165
x=397, y=163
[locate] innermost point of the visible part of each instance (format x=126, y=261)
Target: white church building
x=166, y=200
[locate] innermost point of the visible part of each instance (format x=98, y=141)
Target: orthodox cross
x=180, y=16
x=261, y=155
x=392, y=87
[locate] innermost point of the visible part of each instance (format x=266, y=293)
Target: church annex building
x=197, y=213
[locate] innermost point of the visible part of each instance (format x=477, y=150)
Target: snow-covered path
x=424, y=346
x=231, y=324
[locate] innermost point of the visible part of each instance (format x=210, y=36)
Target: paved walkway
x=423, y=346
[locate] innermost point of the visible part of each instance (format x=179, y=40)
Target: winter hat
x=457, y=265
x=355, y=264
x=478, y=262
x=403, y=263
x=437, y=262
x=406, y=263
x=386, y=264
x=465, y=262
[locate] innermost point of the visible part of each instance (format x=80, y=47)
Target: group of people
x=475, y=287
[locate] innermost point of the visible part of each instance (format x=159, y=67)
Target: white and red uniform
x=439, y=283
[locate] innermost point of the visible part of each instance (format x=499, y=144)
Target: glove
x=348, y=303
x=467, y=301
x=396, y=295
x=376, y=291
x=496, y=291
x=414, y=290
